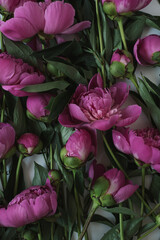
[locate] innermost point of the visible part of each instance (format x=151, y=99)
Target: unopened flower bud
x=54, y=177
x=110, y=9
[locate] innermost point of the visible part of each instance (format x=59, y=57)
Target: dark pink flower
x=121, y=63
x=50, y=17
x=98, y=107
x=125, y=6
x=79, y=146
x=16, y=75
x=143, y=144
x=95, y=171
x=147, y=50
x=10, y=5
x=7, y=139
x=29, y=206
x=36, y=105
x=29, y=144
x=112, y=188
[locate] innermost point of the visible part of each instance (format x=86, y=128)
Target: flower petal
x=77, y=27
x=96, y=81
x=121, y=142
x=119, y=93
x=125, y=193
x=104, y=125
x=76, y=113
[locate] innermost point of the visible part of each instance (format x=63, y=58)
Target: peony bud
x=121, y=63
x=147, y=50
x=29, y=144
x=112, y=188
x=78, y=148
x=36, y=106
x=54, y=177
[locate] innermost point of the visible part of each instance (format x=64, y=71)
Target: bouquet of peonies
x=67, y=70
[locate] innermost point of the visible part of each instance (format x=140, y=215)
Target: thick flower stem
x=100, y=42
x=4, y=174
x=77, y=204
x=133, y=80
x=92, y=211
x=1, y=36
x=39, y=232
x=120, y=25
x=150, y=231
x=121, y=168
x=143, y=189
x=121, y=225
x=17, y=173
x=51, y=156
x=52, y=231
x=3, y=108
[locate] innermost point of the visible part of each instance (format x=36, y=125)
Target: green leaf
x=40, y=175
x=147, y=227
x=10, y=234
x=69, y=71
x=101, y=219
x=123, y=210
x=117, y=43
x=152, y=87
x=19, y=118
x=154, y=187
x=65, y=133
x=20, y=50
x=67, y=175
x=71, y=213
x=79, y=179
x=135, y=28
x=44, y=87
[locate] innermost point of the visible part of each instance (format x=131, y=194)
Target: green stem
x=133, y=80
x=51, y=156
x=121, y=168
x=143, y=189
x=17, y=173
x=150, y=231
x=4, y=174
x=52, y=231
x=121, y=225
x=1, y=37
x=152, y=211
x=3, y=108
x=77, y=204
x=120, y=25
x=130, y=206
x=39, y=232
x=100, y=42
x=92, y=211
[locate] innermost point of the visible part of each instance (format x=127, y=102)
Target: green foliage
x=40, y=175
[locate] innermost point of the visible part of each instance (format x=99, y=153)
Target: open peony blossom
x=56, y=18
x=29, y=206
x=36, y=106
x=10, y=5
x=29, y=144
x=125, y=6
x=79, y=146
x=147, y=50
x=98, y=107
x=112, y=188
x=143, y=144
x=16, y=75
x=7, y=139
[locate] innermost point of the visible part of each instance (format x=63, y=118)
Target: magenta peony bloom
x=121, y=63
x=29, y=206
x=29, y=144
x=7, y=139
x=36, y=105
x=112, y=188
x=16, y=75
x=95, y=171
x=98, y=107
x=143, y=144
x=10, y=5
x=125, y=6
x=50, y=17
x=147, y=50
x=79, y=146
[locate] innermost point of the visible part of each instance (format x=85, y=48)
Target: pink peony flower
x=121, y=63
x=79, y=146
x=36, y=105
x=10, y=5
x=147, y=50
x=50, y=17
x=95, y=171
x=7, y=139
x=29, y=144
x=98, y=107
x=16, y=75
x=112, y=188
x=143, y=144
x=124, y=6
x=29, y=206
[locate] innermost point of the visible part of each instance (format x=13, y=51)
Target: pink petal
x=77, y=27
x=76, y=113
x=129, y=115
x=125, y=193
x=156, y=167
x=104, y=125
x=96, y=81
x=155, y=158
x=121, y=142
x=58, y=17
x=119, y=93
x=16, y=90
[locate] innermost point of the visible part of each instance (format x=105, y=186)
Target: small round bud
x=109, y=8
